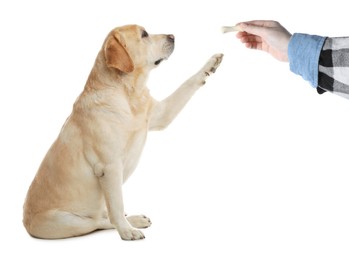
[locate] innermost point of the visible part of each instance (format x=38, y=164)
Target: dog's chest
x=139, y=104
x=133, y=151
x=138, y=107
x=136, y=136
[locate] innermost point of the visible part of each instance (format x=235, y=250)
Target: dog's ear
x=117, y=56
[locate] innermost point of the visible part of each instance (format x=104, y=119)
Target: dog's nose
x=170, y=38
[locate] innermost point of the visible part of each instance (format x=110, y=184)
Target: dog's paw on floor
x=139, y=221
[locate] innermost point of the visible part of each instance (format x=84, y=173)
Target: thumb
x=252, y=29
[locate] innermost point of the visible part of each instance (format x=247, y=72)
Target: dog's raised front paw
x=209, y=68
x=212, y=65
x=131, y=234
x=139, y=221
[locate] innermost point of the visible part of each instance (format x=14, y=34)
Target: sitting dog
x=78, y=186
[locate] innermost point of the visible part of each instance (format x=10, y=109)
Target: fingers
x=254, y=45
x=251, y=41
x=249, y=38
x=258, y=27
x=252, y=29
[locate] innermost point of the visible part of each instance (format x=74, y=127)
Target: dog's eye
x=144, y=34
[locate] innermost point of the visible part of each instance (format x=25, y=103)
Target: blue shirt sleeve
x=303, y=55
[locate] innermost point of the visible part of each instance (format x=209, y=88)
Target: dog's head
x=130, y=47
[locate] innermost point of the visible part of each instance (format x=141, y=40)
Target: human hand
x=268, y=36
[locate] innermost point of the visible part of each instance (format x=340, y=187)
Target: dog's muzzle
x=169, y=45
x=167, y=48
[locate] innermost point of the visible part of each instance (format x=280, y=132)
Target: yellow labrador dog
x=78, y=187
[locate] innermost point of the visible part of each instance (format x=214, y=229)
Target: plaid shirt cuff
x=303, y=54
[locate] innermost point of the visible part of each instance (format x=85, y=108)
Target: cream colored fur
x=78, y=187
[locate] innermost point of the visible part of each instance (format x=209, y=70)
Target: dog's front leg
x=111, y=180
x=165, y=111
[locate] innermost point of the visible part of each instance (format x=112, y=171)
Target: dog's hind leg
x=55, y=224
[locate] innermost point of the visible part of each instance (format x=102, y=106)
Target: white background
x=255, y=167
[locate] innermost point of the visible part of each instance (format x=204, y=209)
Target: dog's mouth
x=169, y=51
x=158, y=62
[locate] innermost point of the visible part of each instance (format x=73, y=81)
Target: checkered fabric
x=334, y=67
